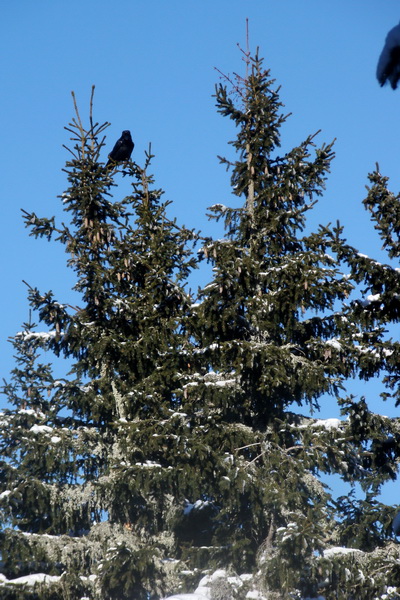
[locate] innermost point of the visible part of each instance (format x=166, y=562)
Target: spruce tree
x=277, y=333
x=185, y=438
x=86, y=483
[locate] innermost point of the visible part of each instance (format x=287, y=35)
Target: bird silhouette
x=122, y=150
x=388, y=68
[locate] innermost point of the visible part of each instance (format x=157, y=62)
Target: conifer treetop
x=183, y=444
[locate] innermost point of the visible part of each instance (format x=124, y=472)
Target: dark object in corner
x=388, y=68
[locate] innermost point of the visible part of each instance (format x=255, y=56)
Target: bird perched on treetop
x=122, y=150
x=388, y=68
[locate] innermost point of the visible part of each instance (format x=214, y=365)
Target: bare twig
x=247, y=51
x=248, y=446
x=234, y=85
x=91, y=110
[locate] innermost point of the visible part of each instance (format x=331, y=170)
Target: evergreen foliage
x=83, y=461
x=184, y=438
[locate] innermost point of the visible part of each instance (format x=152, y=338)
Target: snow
x=41, y=335
x=39, y=535
x=194, y=596
x=221, y=383
x=387, y=352
x=340, y=550
x=177, y=414
x=199, y=504
x=41, y=429
x=150, y=464
x=213, y=346
x=328, y=423
x=29, y=580
x=373, y=297
x=190, y=384
x=390, y=593
x=30, y=411
x=220, y=207
x=292, y=524
x=204, y=590
x=5, y=494
x=370, y=299
x=334, y=343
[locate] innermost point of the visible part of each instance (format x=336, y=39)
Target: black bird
x=388, y=68
x=122, y=150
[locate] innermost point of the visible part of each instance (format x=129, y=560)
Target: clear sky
x=152, y=62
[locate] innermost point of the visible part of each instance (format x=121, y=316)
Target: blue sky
x=152, y=62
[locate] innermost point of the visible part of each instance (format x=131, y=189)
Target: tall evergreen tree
x=86, y=483
x=277, y=329
x=181, y=441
